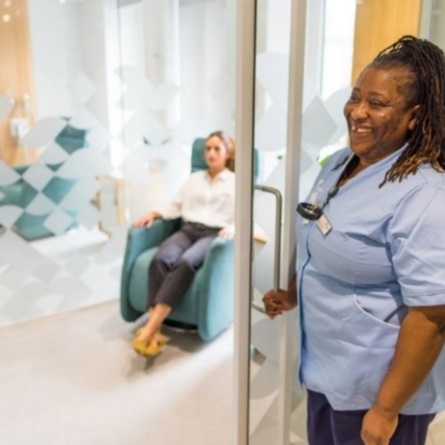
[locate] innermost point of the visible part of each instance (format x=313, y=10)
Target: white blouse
x=204, y=200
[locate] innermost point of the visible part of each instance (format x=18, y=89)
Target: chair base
x=178, y=325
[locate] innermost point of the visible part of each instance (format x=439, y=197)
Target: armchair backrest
x=198, y=162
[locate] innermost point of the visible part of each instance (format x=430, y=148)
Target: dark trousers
x=329, y=427
x=175, y=264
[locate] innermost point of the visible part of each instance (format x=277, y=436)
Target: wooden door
x=16, y=73
x=379, y=23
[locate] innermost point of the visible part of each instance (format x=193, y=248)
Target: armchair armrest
x=138, y=241
x=216, y=289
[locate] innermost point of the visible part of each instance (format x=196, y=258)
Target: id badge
x=324, y=225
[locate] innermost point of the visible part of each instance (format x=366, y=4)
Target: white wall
x=92, y=48
x=131, y=33
x=68, y=39
x=206, y=105
x=229, y=61
x=438, y=23
x=274, y=37
x=338, y=45
x=189, y=43
x=54, y=30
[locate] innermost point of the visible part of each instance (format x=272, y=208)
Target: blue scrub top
x=385, y=252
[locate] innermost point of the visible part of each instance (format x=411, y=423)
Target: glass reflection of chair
x=208, y=304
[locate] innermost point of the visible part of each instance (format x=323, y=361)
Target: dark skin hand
x=421, y=339
x=276, y=302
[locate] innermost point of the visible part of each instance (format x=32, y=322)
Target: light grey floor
x=73, y=379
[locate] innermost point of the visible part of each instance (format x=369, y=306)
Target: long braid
x=426, y=65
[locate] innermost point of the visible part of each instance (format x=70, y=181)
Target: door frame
x=245, y=130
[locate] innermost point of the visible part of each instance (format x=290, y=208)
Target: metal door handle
x=277, y=256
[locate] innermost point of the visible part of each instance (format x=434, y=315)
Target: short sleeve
x=417, y=241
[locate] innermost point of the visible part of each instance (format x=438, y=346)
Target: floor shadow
x=186, y=341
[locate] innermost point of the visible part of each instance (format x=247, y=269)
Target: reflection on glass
x=326, y=87
x=55, y=140
x=106, y=119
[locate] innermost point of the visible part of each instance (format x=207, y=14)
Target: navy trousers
x=175, y=264
x=329, y=427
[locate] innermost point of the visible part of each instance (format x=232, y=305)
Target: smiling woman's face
x=378, y=114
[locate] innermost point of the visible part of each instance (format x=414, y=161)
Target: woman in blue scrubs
x=371, y=266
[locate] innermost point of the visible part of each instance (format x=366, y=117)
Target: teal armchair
x=208, y=303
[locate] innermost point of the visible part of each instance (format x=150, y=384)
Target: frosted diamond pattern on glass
x=44, y=132
x=9, y=214
x=7, y=174
x=38, y=175
x=58, y=222
x=89, y=217
x=81, y=194
x=81, y=88
x=54, y=154
x=40, y=205
x=324, y=131
x=67, y=195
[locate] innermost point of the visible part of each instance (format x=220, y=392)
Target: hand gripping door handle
x=277, y=255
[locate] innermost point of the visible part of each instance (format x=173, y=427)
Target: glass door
x=296, y=62
x=289, y=117
x=270, y=79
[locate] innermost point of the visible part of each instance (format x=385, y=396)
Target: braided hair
x=425, y=65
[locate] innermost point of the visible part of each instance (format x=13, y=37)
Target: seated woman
x=206, y=203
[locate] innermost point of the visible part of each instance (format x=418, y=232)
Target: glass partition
x=62, y=209
x=97, y=116
x=177, y=73
x=337, y=48
x=326, y=87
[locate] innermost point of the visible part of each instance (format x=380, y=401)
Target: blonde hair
x=229, y=143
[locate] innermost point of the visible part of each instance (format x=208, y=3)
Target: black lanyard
x=313, y=212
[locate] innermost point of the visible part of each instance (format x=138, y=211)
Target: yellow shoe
x=163, y=339
x=149, y=350
x=139, y=346
x=152, y=350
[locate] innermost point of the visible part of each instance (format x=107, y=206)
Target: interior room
x=105, y=107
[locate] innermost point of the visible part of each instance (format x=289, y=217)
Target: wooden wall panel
x=16, y=72
x=380, y=23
